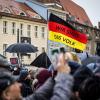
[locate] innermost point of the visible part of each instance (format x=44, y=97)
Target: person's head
x=80, y=75
x=90, y=89
x=43, y=76
x=72, y=56
x=9, y=88
x=23, y=74
x=74, y=66
x=4, y=63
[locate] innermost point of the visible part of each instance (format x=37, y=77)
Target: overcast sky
x=92, y=8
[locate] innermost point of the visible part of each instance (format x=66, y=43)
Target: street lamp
x=18, y=40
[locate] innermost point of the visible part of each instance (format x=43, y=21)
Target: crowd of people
x=68, y=79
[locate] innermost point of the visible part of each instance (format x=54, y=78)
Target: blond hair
x=72, y=56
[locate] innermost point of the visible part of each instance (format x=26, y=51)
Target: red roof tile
x=16, y=8
x=76, y=11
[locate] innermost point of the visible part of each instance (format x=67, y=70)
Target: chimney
x=99, y=25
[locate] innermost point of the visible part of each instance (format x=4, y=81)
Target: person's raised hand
x=62, y=65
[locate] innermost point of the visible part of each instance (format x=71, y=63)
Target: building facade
x=16, y=17
x=29, y=32
x=77, y=17
x=23, y=20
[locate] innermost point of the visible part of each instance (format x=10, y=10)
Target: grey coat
x=58, y=90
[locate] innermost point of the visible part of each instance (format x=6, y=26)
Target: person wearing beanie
x=42, y=77
x=23, y=74
x=25, y=80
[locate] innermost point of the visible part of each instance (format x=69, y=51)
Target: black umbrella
x=93, y=59
x=21, y=48
x=42, y=61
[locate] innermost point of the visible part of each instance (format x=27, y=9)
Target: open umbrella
x=42, y=61
x=21, y=48
x=92, y=59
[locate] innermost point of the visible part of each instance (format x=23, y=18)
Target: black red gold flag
x=63, y=32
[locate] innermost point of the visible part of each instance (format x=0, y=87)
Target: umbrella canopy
x=21, y=48
x=93, y=59
x=42, y=61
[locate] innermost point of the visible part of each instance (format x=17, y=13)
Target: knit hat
x=43, y=75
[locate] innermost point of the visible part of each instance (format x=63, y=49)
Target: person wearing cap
x=53, y=89
x=25, y=80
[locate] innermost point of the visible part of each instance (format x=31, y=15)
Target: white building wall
x=10, y=39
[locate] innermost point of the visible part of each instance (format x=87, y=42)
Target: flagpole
x=48, y=49
x=47, y=38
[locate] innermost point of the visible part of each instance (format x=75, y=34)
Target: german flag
x=63, y=32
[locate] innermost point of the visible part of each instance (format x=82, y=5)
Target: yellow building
x=32, y=28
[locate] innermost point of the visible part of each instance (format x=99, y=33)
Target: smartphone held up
x=55, y=56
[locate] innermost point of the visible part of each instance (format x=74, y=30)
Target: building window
x=43, y=49
x=43, y=31
x=6, y=10
x=5, y=27
x=37, y=16
x=22, y=14
x=4, y=48
x=21, y=29
x=36, y=31
x=13, y=28
x=28, y=30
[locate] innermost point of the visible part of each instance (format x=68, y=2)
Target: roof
x=73, y=9
x=23, y=17
x=17, y=8
x=46, y=1
x=76, y=11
